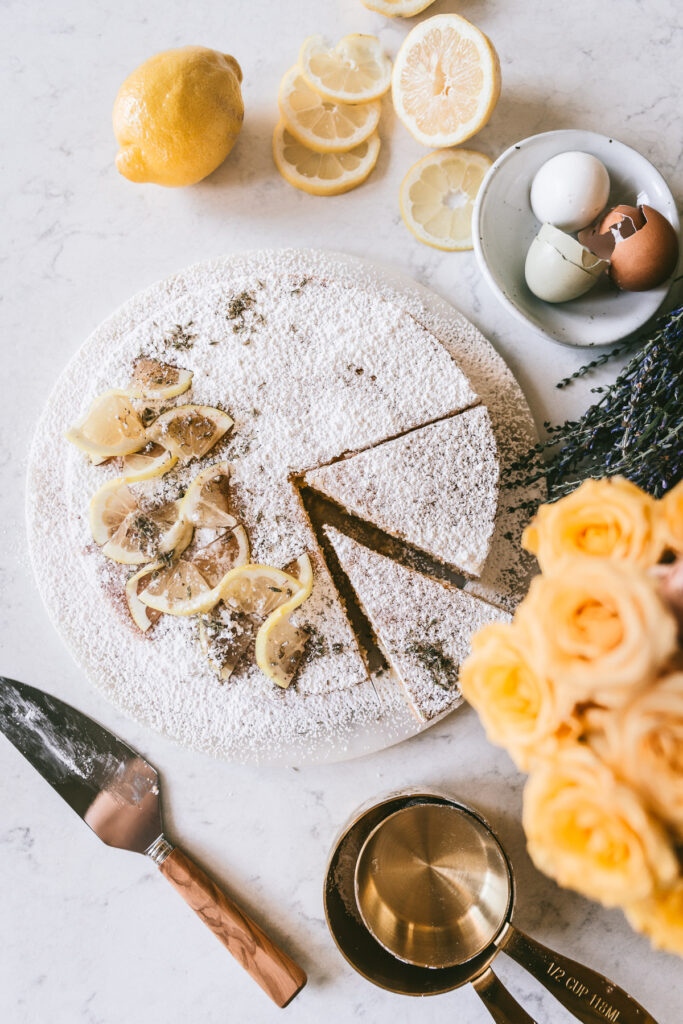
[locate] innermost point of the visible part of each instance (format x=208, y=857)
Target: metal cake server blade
x=117, y=794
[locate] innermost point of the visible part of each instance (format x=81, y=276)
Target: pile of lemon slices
x=191, y=554
x=326, y=141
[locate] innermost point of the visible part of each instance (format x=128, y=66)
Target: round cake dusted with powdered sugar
x=320, y=360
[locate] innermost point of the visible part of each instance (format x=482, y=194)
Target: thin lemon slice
x=398, y=8
x=225, y=636
x=206, y=502
x=228, y=551
x=144, y=535
x=142, y=616
x=323, y=174
x=190, y=431
x=437, y=196
x=180, y=590
x=258, y=589
x=148, y=463
x=155, y=380
x=279, y=644
x=110, y=427
x=109, y=507
x=356, y=70
x=446, y=80
x=323, y=125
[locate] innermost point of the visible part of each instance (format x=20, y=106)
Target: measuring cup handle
x=590, y=996
x=498, y=1001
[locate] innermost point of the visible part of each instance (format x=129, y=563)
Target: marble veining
x=91, y=935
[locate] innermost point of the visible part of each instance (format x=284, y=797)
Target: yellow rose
x=519, y=706
x=644, y=744
x=592, y=833
x=661, y=917
x=610, y=518
x=598, y=628
x=670, y=518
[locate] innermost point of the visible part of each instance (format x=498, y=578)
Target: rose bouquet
x=585, y=690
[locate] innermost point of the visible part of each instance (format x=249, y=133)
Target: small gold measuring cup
x=419, y=895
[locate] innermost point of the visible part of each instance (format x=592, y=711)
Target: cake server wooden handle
x=277, y=974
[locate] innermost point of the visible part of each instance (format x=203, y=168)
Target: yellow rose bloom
x=610, y=518
x=592, y=833
x=670, y=518
x=518, y=705
x=644, y=743
x=661, y=918
x=598, y=628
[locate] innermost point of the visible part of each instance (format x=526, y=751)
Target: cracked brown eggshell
x=640, y=243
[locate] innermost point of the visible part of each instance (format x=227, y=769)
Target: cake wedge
x=422, y=625
x=435, y=487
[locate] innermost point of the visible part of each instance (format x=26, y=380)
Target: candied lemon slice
x=206, y=502
x=398, y=8
x=279, y=644
x=322, y=174
x=446, y=80
x=437, y=197
x=109, y=507
x=110, y=427
x=148, y=463
x=323, y=125
x=258, y=589
x=142, y=616
x=180, y=590
x=155, y=380
x=224, y=636
x=228, y=551
x=144, y=535
x=356, y=70
x=190, y=431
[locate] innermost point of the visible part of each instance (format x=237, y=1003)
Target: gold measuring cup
x=419, y=896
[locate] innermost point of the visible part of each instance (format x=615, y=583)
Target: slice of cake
x=423, y=626
x=435, y=487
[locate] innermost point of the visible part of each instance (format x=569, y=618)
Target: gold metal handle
x=590, y=996
x=498, y=1001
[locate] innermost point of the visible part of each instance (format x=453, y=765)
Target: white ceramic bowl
x=504, y=227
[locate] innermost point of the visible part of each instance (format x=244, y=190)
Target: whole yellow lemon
x=177, y=116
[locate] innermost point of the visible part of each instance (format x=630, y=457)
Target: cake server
x=116, y=793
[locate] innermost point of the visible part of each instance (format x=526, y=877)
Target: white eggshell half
x=558, y=268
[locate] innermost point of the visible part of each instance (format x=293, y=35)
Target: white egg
x=559, y=268
x=570, y=190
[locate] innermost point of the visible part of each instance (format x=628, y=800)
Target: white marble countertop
x=89, y=935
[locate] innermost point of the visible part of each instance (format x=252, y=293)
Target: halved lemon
x=150, y=462
x=437, y=196
x=398, y=8
x=323, y=125
x=109, y=506
x=356, y=70
x=446, y=80
x=322, y=174
x=142, y=616
x=155, y=380
x=180, y=590
x=228, y=551
x=144, y=535
x=190, y=431
x=279, y=644
x=206, y=502
x=110, y=427
x=224, y=636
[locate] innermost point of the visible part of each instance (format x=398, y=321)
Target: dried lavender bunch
x=635, y=429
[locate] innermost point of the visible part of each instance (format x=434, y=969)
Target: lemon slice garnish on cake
x=206, y=502
x=437, y=196
x=258, y=589
x=142, y=616
x=109, y=506
x=224, y=636
x=279, y=644
x=154, y=380
x=323, y=125
x=110, y=427
x=131, y=535
x=397, y=8
x=148, y=463
x=356, y=70
x=446, y=80
x=228, y=551
x=190, y=431
x=323, y=174
x=180, y=590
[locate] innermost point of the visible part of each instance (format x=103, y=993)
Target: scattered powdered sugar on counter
x=368, y=367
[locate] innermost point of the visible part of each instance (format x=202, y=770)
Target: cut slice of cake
x=423, y=626
x=435, y=487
